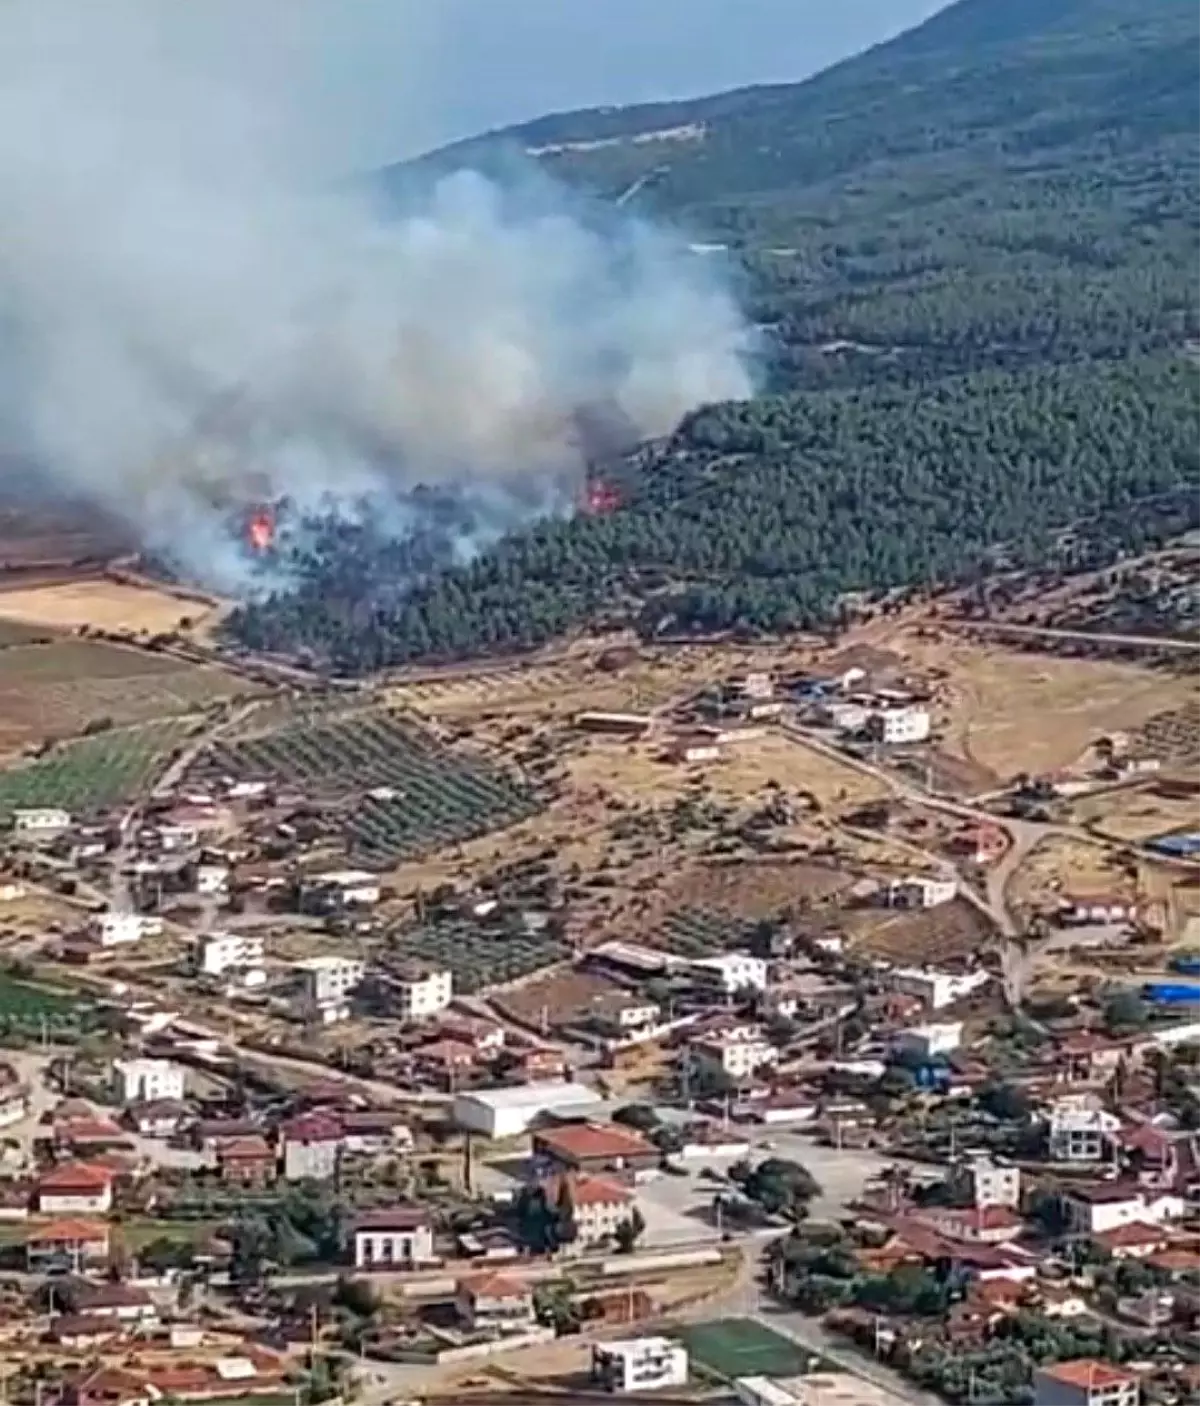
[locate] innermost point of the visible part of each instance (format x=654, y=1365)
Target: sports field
x=742, y=1347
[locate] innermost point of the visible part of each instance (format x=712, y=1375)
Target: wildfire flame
x=600, y=497
x=260, y=530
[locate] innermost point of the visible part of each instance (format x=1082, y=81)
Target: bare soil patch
x=948, y=932
x=101, y=604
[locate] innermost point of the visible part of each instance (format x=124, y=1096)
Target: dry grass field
x=1063, y=865
x=637, y=772
x=1012, y=712
x=1135, y=816
x=101, y=604
x=949, y=932
x=55, y=690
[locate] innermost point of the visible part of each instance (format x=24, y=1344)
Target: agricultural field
x=27, y=1009
x=950, y=932
x=695, y=932
x=755, y=889
x=1135, y=816
x=1173, y=736
x=742, y=1347
x=101, y=604
x=426, y=795
x=92, y=774
x=998, y=701
x=56, y=690
x=1061, y=865
x=558, y=998
x=478, y=956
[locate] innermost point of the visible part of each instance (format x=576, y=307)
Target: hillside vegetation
x=973, y=251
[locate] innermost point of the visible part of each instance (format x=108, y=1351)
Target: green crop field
x=427, y=795
x=742, y=1347
x=694, y=932
x=93, y=773
x=478, y=955
x=31, y=1010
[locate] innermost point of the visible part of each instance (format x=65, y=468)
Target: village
x=792, y=1025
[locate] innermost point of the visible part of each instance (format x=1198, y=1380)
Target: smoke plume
x=191, y=320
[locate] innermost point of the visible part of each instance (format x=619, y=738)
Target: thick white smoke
x=185, y=324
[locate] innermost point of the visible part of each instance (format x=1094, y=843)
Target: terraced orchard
x=695, y=933
x=411, y=794
x=478, y=955
x=94, y=773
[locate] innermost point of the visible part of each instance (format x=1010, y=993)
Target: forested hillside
x=972, y=250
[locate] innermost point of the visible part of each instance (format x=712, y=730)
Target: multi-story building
x=422, y=991
x=927, y=1041
x=1084, y=1382
x=1091, y=1210
x=896, y=726
x=639, y=1364
x=730, y=972
x=1077, y=1132
x=496, y=1303
x=936, y=988
x=326, y=984
x=219, y=952
x=594, y=1147
x=598, y=1206
x=148, y=1080
x=992, y=1183
x=737, y=1053
x=312, y=1145
x=391, y=1239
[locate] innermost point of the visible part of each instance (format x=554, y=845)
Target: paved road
x=1050, y=632
x=1017, y=960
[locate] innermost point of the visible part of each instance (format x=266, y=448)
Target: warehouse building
x=504, y=1113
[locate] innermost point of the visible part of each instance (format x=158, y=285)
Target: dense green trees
x=971, y=253
x=760, y=516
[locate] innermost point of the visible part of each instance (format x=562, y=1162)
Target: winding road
x=1017, y=958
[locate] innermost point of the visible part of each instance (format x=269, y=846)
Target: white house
x=212, y=880
x=846, y=717
x=738, y=1053
x=639, y=1364
x=219, y=952
x=730, y=972
x=12, y=892
x=148, y=1080
x=353, y=888
x=926, y=1041
x=393, y=1239
x=74, y=1189
x=114, y=929
x=1078, y=1132
x=36, y=821
x=422, y=991
x=326, y=984
x=937, y=988
x=1090, y=1210
x=921, y=891
x=899, y=725
x=993, y=1183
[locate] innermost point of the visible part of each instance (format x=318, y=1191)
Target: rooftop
x=1087, y=1372
x=76, y=1176
x=586, y=1191
x=494, y=1286
x=588, y=1140
x=553, y=1093
x=394, y=1218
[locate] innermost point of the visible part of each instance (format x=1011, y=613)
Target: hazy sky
x=387, y=78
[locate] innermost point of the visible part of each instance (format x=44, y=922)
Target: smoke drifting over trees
x=187, y=326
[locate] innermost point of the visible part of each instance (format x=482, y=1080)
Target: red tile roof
x=244, y=1149
x=494, y=1286
x=63, y=1231
x=313, y=1127
x=1134, y=1234
x=76, y=1176
x=584, y=1141
x=586, y=1191
x=1087, y=1372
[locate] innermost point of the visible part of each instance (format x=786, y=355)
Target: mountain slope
x=1012, y=180
x=973, y=248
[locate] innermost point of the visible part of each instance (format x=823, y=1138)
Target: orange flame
x=261, y=530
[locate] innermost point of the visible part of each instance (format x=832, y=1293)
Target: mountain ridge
x=972, y=251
